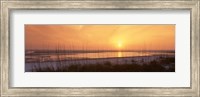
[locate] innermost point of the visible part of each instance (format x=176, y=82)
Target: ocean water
x=39, y=55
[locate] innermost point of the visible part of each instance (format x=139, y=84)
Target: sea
x=55, y=55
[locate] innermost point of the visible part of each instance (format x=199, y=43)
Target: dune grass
x=106, y=66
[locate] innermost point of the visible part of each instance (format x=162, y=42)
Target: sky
x=100, y=37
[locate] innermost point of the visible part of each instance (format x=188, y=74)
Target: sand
x=122, y=60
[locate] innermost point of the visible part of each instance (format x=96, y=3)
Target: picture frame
x=7, y=6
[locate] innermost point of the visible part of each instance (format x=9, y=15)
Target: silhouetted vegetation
x=62, y=63
x=106, y=66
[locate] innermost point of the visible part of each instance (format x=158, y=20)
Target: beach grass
x=107, y=66
x=162, y=64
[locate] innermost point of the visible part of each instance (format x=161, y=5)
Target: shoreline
x=140, y=60
x=79, y=59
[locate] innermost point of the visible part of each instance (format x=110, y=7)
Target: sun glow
x=115, y=37
x=119, y=44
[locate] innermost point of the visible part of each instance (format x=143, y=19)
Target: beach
x=106, y=61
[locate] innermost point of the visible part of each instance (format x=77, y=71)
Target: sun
x=119, y=45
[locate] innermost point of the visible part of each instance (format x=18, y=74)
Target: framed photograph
x=80, y=48
x=100, y=48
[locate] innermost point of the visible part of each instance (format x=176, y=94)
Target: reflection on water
x=84, y=55
x=119, y=54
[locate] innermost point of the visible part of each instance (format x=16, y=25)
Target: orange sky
x=134, y=37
